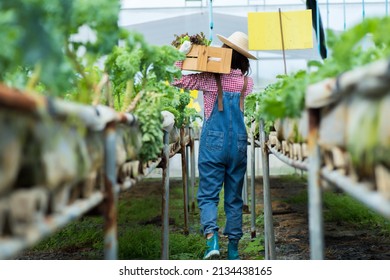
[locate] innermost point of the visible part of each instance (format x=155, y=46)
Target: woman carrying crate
x=223, y=143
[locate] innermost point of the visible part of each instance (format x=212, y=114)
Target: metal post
x=188, y=177
x=184, y=177
x=327, y=14
x=318, y=27
x=316, y=227
x=344, y=16
x=111, y=195
x=253, y=194
x=245, y=207
x=165, y=200
x=192, y=156
x=269, y=235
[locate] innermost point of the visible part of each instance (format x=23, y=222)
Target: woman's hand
x=185, y=47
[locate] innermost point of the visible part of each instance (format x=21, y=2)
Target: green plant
x=254, y=247
x=286, y=97
x=196, y=39
x=186, y=247
x=141, y=74
x=343, y=209
x=54, y=47
x=40, y=38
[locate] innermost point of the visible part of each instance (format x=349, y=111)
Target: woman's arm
x=200, y=81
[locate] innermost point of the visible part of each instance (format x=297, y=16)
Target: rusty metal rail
x=106, y=165
x=327, y=124
x=10, y=246
x=289, y=161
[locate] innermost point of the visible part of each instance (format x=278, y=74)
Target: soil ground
x=342, y=241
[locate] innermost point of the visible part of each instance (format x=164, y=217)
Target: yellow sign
x=265, y=34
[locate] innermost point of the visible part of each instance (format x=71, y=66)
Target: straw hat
x=239, y=42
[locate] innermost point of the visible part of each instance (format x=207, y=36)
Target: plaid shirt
x=205, y=81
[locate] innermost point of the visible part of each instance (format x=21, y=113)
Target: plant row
x=75, y=50
x=364, y=43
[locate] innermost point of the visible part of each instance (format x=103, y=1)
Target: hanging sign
x=264, y=30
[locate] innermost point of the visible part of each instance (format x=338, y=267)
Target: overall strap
x=242, y=95
x=219, y=85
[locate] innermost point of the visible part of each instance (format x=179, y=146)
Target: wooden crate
x=208, y=59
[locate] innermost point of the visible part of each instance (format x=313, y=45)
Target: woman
x=223, y=144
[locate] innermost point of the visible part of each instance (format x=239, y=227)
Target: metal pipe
x=192, y=156
x=245, y=207
x=184, y=178
x=111, y=194
x=15, y=99
x=148, y=170
x=253, y=194
x=165, y=200
x=174, y=149
x=268, y=219
x=188, y=177
x=10, y=247
x=316, y=227
x=344, y=15
x=211, y=20
x=297, y=164
x=317, y=11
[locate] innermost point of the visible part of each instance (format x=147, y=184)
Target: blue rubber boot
x=233, y=249
x=212, y=250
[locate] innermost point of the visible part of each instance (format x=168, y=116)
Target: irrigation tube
x=269, y=235
x=165, y=200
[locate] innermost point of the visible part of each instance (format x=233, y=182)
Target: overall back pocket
x=242, y=142
x=214, y=140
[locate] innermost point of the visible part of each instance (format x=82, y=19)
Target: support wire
x=211, y=20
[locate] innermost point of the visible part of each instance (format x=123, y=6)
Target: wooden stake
x=283, y=49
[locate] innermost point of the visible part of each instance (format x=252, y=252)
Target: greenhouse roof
x=161, y=32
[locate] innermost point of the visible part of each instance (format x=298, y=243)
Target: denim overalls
x=223, y=161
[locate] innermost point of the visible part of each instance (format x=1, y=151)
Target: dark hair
x=239, y=61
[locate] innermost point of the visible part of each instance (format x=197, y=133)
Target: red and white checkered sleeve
x=249, y=87
x=200, y=81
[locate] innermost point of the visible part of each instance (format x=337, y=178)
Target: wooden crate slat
x=208, y=59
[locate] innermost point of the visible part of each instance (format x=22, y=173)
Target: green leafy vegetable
x=286, y=97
